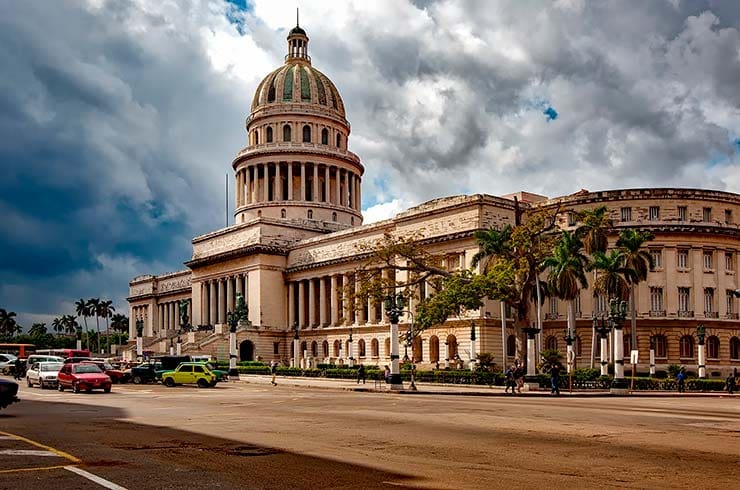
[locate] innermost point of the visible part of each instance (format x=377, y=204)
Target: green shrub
x=674, y=369
x=586, y=374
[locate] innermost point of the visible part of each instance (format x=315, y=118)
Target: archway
x=337, y=348
x=416, y=349
x=246, y=351
x=434, y=348
x=451, y=346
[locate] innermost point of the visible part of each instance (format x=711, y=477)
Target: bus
x=20, y=350
x=65, y=353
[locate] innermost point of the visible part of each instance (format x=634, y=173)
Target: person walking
x=681, y=378
x=730, y=381
x=555, y=379
x=361, y=374
x=509, y=380
x=387, y=374
x=519, y=377
x=18, y=369
x=273, y=371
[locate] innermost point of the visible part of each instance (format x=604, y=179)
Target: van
x=34, y=358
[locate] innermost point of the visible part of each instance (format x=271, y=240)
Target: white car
x=43, y=374
x=7, y=361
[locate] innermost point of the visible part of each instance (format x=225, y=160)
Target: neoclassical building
x=296, y=245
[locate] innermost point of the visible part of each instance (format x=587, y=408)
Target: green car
x=190, y=373
x=221, y=375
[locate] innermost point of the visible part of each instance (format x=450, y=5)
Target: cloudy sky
x=119, y=118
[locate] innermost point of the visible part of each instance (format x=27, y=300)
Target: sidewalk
x=446, y=389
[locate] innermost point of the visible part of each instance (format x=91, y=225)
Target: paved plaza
x=253, y=435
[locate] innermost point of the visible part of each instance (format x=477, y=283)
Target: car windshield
x=107, y=366
x=210, y=366
x=87, y=368
x=51, y=366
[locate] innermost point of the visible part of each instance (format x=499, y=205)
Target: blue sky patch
x=551, y=113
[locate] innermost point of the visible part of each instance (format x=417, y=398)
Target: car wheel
x=169, y=382
x=203, y=383
x=137, y=380
x=107, y=390
x=76, y=387
x=28, y=380
x=42, y=385
x=60, y=387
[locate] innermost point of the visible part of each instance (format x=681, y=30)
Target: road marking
x=38, y=468
x=62, y=454
x=27, y=452
x=94, y=478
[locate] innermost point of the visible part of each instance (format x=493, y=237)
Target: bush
x=253, y=369
x=586, y=374
x=674, y=369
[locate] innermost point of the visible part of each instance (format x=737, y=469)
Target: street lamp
x=351, y=350
x=652, y=356
x=472, y=345
x=232, y=319
x=602, y=327
x=701, y=333
x=569, y=338
x=617, y=314
x=139, y=339
x=296, y=345
x=394, y=305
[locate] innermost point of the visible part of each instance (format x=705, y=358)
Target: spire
x=297, y=24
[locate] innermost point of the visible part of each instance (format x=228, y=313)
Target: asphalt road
x=240, y=435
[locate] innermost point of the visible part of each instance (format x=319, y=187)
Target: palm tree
x=93, y=305
x=567, y=276
x=83, y=311
x=57, y=325
x=612, y=282
x=70, y=325
x=7, y=322
x=492, y=242
x=119, y=323
x=106, y=309
x=637, y=259
x=38, y=329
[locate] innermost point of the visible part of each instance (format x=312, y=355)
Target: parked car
x=145, y=372
x=34, y=358
x=221, y=375
x=190, y=373
x=8, y=393
x=116, y=375
x=43, y=374
x=76, y=360
x=80, y=377
x=7, y=363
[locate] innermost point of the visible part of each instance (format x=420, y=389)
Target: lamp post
x=394, y=305
x=296, y=346
x=472, y=346
x=652, y=356
x=602, y=328
x=233, y=321
x=79, y=337
x=139, y=339
x=617, y=314
x=701, y=335
x=172, y=346
x=351, y=349
x=568, y=337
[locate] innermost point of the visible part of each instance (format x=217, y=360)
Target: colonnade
x=169, y=314
x=298, y=181
x=140, y=312
x=218, y=297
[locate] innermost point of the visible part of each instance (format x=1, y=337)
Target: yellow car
x=190, y=373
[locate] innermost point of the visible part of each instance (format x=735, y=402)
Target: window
x=324, y=136
x=626, y=214
x=551, y=343
x=601, y=303
x=511, y=345
x=333, y=216
x=728, y=216
x=707, y=260
x=661, y=346
x=361, y=348
x=706, y=214
x=283, y=213
x=657, y=256
x=352, y=221
x=310, y=214
x=256, y=137
x=577, y=346
x=687, y=347
x=375, y=348
x=656, y=299
x=198, y=369
x=553, y=307
x=314, y=349
x=682, y=212
x=729, y=262
x=684, y=295
x=286, y=132
x=713, y=347
x=339, y=140
x=571, y=218
x=186, y=369
x=683, y=259
x=730, y=301
x=626, y=344
x=276, y=348
x=735, y=348
x=708, y=300
x=306, y=133
x=269, y=134
x=654, y=213
x=577, y=305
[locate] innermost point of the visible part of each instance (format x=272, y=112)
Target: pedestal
x=233, y=371
x=702, y=361
x=619, y=384
x=652, y=362
x=396, y=383
x=139, y=346
x=604, y=357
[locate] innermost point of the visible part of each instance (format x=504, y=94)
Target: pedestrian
x=387, y=374
x=681, y=378
x=361, y=374
x=519, y=378
x=273, y=371
x=18, y=369
x=555, y=379
x=730, y=384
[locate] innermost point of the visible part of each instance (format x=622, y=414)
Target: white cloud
x=384, y=210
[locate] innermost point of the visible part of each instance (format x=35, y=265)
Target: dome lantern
x=297, y=43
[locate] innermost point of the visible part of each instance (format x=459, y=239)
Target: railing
x=656, y=313
x=289, y=145
x=685, y=314
x=551, y=316
x=711, y=314
x=732, y=316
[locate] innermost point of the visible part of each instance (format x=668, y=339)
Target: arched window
x=310, y=214
x=306, y=133
x=256, y=137
x=269, y=134
x=325, y=348
x=324, y=136
x=687, y=347
x=361, y=348
x=434, y=348
x=283, y=213
x=347, y=351
x=339, y=140
x=333, y=216
x=374, y=348
x=304, y=347
x=314, y=349
x=511, y=345
x=387, y=347
x=259, y=213
x=577, y=346
x=735, y=348
x=551, y=343
x=713, y=347
x=661, y=346
x=286, y=132
x=337, y=348
x=451, y=346
x=416, y=350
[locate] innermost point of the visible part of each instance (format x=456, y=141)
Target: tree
x=83, y=311
x=119, y=323
x=70, y=325
x=594, y=228
x=639, y=261
x=38, y=329
x=57, y=325
x=93, y=306
x=612, y=281
x=567, y=276
x=106, y=309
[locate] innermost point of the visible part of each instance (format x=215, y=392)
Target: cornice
x=253, y=249
x=284, y=150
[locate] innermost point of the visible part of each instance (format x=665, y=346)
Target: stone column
x=347, y=180
x=229, y=294
x=247, y=185
x=296, y=353
x=173, y=316
x=322, y=301
x=360, y=311
x=203, y=303
x=346, y=305
x=221, y=301
x=160, y=311
x=290, y=181
x=301, y=305
x=359, y=194
x=277, y=193
x=338, y=185
x=446, y=354
x=291, y=305
x=266, y=182
x=238, y=287
x=302, y=194
x=326, y=184
x=167, y=316
x=315, y=183
x=604, y=356
x=334, y=309
x=311, y=302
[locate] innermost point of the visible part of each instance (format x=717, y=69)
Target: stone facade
x=297, y=243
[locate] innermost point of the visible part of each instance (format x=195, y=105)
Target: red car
x=78, y=377
x=116, y=375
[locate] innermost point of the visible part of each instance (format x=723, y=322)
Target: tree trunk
x=633, y=315
x=97, y=321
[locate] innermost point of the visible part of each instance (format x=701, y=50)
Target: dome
x=297, y=30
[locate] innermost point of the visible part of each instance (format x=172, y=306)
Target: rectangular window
x=707, y=214
x=626, y=214
x=654, y=213
x=657, y=256
x=708, y=260
x=553, y=307
x=728, y=216
x=683, y=259
x=600, y=303
x=682, y=212
x=276, y=348
x=730, y=301
x=571, y=218
x=708, y=300
x=656, y=299
x=684, y=296
x=577, y=305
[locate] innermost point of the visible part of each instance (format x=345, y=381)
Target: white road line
x=26, y=452
x=94, y=478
